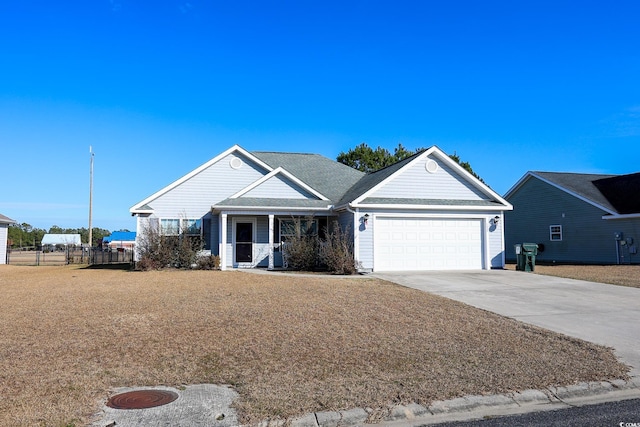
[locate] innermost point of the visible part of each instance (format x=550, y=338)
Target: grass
x=288, y=344
x=622, y=275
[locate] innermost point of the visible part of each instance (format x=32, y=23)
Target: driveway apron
x=599, y=313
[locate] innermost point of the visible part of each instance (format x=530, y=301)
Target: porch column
x=270, y=242
x=223, y=241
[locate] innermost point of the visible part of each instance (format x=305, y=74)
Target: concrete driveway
x=595, y=312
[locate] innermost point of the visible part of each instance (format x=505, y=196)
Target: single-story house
x=120, y=239
x=423, y=213
x=4, y=236
x=576, y=217
x=52, y=239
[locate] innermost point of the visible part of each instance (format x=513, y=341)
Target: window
x=192, y=226
x=288, y=228
x=555, y=233
x=174, y=226
x=170, y=227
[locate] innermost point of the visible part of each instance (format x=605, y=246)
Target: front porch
x=254, y=239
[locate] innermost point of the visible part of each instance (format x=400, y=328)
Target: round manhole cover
x=141, y=399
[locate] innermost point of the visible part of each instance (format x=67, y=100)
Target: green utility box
x=526, y=256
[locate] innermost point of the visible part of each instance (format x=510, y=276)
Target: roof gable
x=279, y=184
x=430, y=176
x=144, y=206
x=579, y=185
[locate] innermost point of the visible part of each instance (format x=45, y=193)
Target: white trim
x=243, y=219
x=485, y=261
x=271, y=230
x=273, y=173
x=135, y=209
x=434, y=207
x=222, y=244
x=356, y=232
x=622, y=216
x=443, y=157
x=560, y=232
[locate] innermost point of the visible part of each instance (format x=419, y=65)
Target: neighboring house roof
x=6, y=220
x=61, y=239
x=623, y=192
x=121, y=236
x=614, y=194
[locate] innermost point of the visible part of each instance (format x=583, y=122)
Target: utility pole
x=90, y=197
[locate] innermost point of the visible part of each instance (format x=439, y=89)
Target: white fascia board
x=432, y=207
x=136, y=208
x=571, y=193
x=273, y=173
x=452, y=164
x=270, y=209
x=470, y=178
x=622, y=216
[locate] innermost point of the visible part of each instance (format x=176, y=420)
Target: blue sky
x=157, y=88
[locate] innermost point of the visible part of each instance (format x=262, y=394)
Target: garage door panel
x=427, y=244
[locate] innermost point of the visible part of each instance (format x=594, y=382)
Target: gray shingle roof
x=622, y=191
x=580, y=184
x=615, y=193
x=328, y=177
x=6, y=220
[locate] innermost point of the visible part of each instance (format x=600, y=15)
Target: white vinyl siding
x=416, y=183
x=278, y=187
x=194, y=197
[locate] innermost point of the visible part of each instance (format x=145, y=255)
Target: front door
x=244, y=243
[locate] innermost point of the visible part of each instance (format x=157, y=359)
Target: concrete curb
x=476, y=407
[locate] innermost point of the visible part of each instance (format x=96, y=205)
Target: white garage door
x=405, y=244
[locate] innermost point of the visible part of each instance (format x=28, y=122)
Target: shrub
x=336, y=252
x=208, y=262
x=158, y=251
x=301, y=249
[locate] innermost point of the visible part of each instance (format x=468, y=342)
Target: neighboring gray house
x=576, y=218
x=423, y=213
x=4, y=234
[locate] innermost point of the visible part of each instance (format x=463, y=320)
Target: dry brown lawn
x=623, y=275
x=288, y=344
